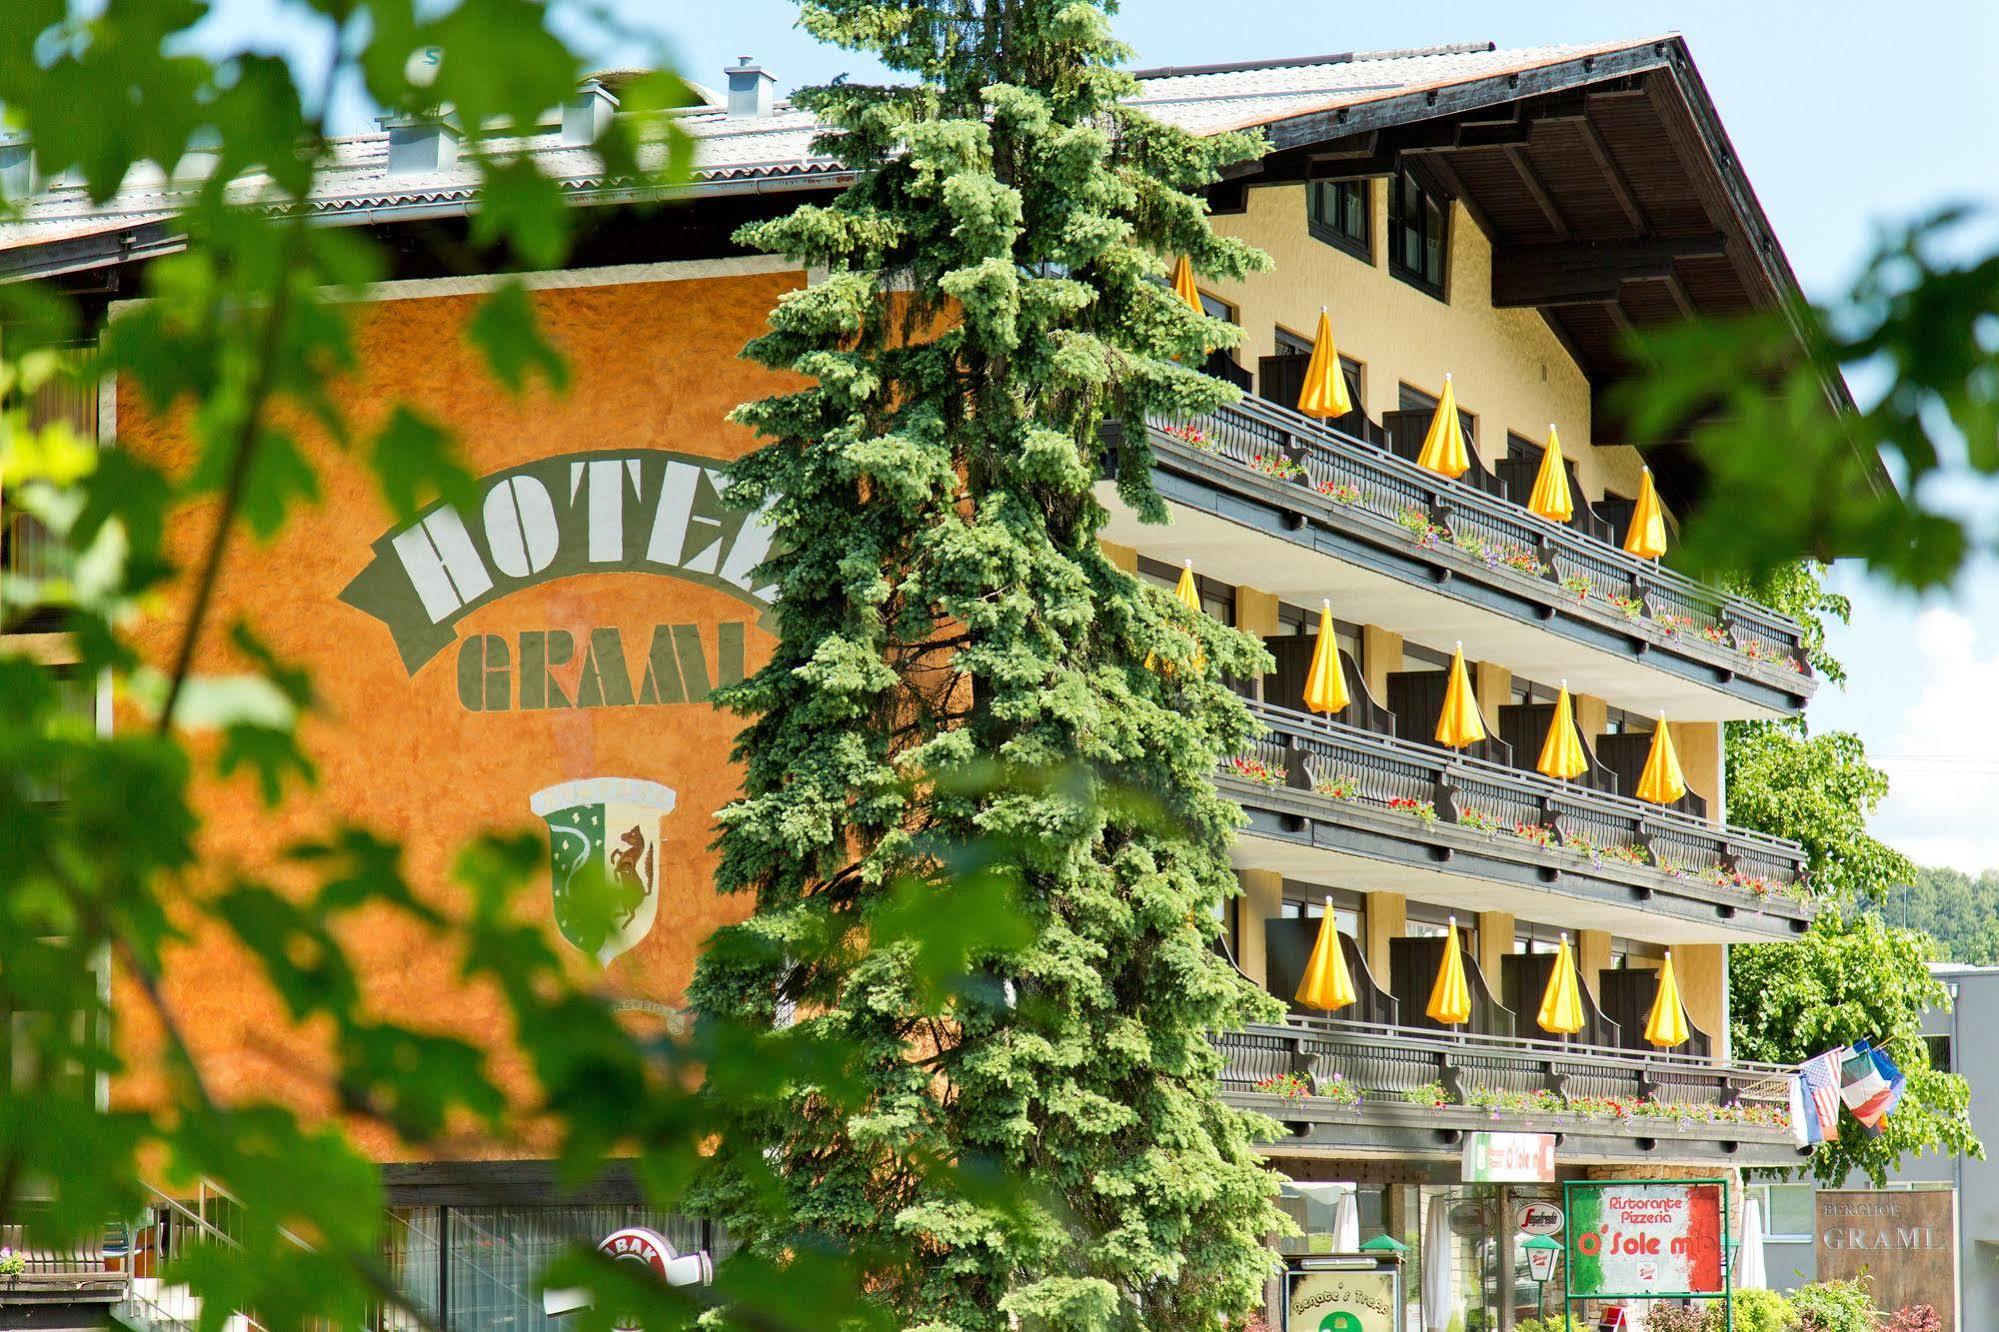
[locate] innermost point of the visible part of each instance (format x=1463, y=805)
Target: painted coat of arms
x=604, y=843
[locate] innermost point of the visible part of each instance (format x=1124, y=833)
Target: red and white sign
x=636, y=1244
x=1540, y=1218
x=1509, y=1158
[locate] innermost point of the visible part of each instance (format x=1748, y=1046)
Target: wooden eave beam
x=1587, y=272
x=1537, y=190
x=1613, y=175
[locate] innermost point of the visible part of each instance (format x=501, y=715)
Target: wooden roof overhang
x=1611, y=195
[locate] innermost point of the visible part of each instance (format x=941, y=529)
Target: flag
x=1870, y=1084
x=1818, y=1097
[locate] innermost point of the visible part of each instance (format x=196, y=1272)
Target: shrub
x=1836, y=1306
x=1553, y=1323
x=1762, y=1311
x=1677, y=1318
x=1913, y=1318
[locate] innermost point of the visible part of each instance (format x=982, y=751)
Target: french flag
x=1870, y=1084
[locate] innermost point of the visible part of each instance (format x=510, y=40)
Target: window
x=1418, y=234
x=1284, y=373
x=1217, y=598
x=1338, y=213
x=1409, y=398
x=1346, y=914
x=1939, y=1048
x=1789, y=1211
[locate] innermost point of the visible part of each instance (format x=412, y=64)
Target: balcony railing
x=1381, y=489
x=1390, y=1073
x=1561, y=825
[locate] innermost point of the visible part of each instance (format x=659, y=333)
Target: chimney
x=587, y=115
x=17, y=169
x=420, y=143
x=750, y=88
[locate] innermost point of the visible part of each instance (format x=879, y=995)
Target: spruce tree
x=962, y=667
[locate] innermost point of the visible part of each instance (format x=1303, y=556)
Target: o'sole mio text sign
x=1645, y=1238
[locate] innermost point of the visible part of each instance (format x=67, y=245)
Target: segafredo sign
x=623, y=510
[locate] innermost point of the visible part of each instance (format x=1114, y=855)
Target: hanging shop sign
x=1341, y=1295
x=1539, y=1218
x=1646, y=1239
x=649, y=1249
x=1509, y=1158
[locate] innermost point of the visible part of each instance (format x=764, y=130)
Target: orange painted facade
x=421, y=757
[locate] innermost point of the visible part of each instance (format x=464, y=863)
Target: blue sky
x=1848, y=115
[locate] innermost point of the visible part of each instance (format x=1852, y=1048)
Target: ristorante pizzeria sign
x=628, y=510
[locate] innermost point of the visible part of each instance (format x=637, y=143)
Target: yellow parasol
x=1325, y=683
x=1444, y=447
x=1459, y=724
x=1188, y=593
x=1325, y=390
x=1551, y=498
x=1661, y=782
x=1327, y=985
x=1647, y=537
x=1562, y=752
x=1667, y=1026
x=1183, y=285
x=1450, y=997
x=1562, y=1002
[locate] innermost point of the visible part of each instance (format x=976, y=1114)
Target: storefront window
x=492, y=1258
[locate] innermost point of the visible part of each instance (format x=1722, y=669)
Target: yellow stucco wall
x=1509, y=368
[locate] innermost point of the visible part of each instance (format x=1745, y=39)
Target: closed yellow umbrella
x=1551, y=498
x=1326, y=683
x=1459, y=724
x=1450, y=997
x=1188, y=593
x=1328, y=985
x=1562, y=1002
x=1444, y=447
x=1183, y=285
x=1325, y=390
x=1661, y=782
x=1562, y=752
x=1647, y=537
x=1667, y=1026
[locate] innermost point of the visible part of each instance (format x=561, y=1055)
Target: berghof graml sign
x=1903, y=1240
x=619, y=511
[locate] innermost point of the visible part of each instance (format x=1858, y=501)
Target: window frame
x=1333, y=233
x=1400, y=224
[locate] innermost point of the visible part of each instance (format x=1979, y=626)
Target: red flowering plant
x=1339, y=492
x=1577, y=586
x=1277, y=466
x=1539, y=835
x=1340, y=786
x=1631, y=608
x=1188, y=433
x=1289, y=1086
x=1416, y=522
x=1246, y=768
x=1422, y=809
x=1673, y=625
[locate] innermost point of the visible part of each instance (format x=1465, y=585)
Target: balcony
x=1340, y=805
x=1354, y=1088
x=1263, y=496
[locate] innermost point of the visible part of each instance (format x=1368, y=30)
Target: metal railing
x=1312, y=753
x=1387, y=1063
x=1353, y=474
